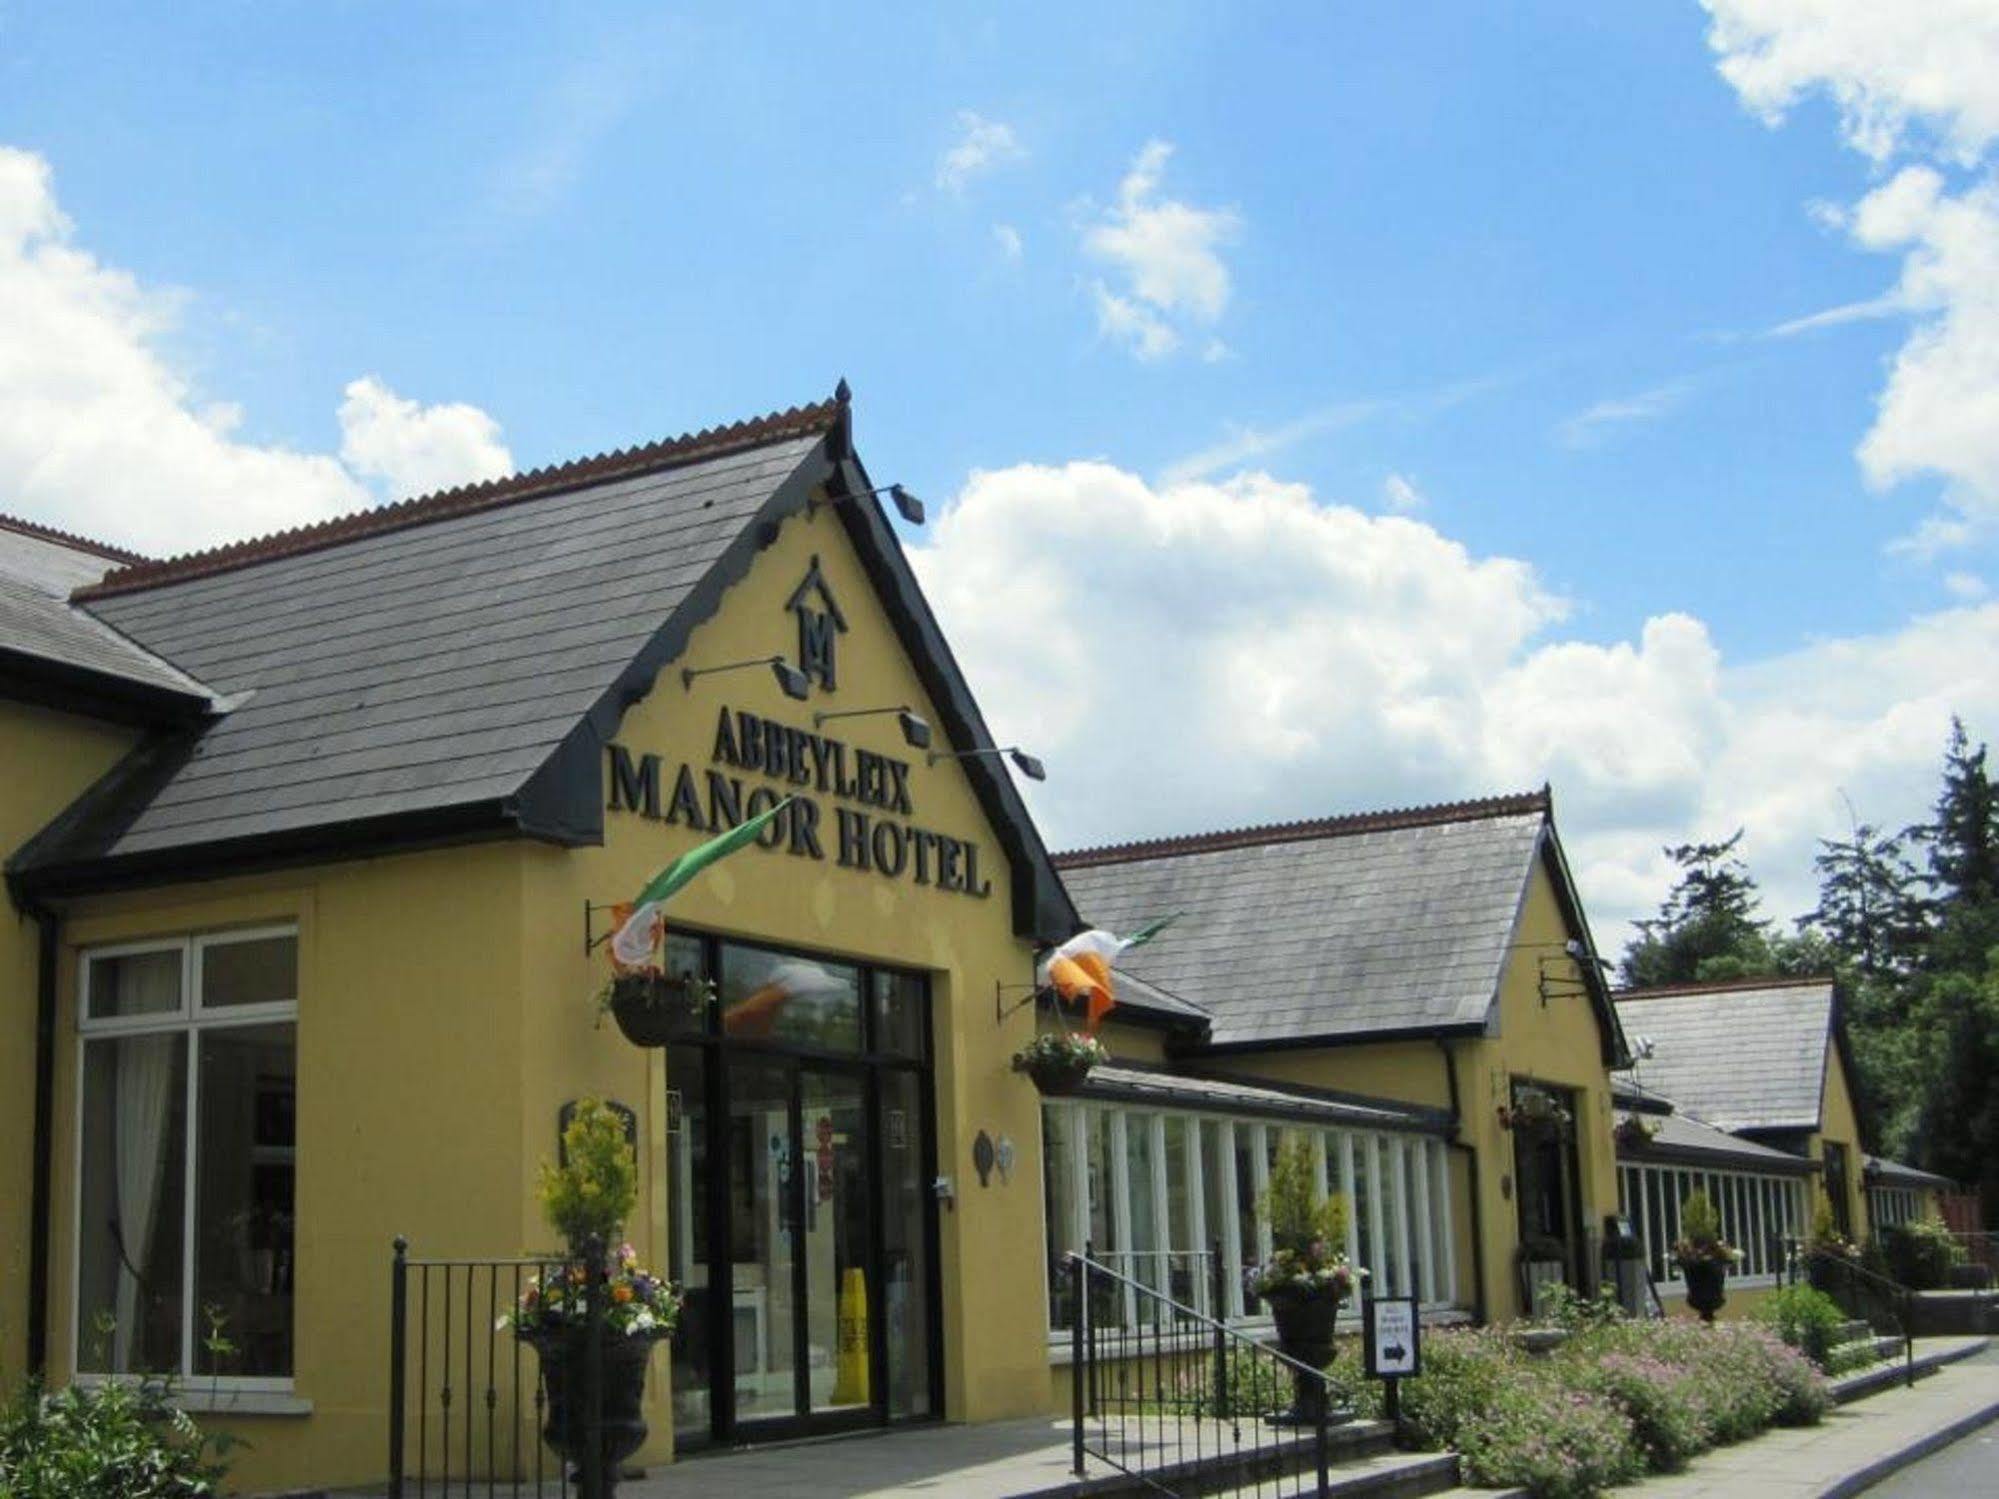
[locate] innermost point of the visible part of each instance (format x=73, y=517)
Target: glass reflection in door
x=839, y=1300
x=762, y=1191
x=687, y=1237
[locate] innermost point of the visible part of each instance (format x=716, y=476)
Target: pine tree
x=1963, y=846
x=1869, y=908
x=1707, y=928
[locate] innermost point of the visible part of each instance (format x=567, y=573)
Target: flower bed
x=1615, y=1402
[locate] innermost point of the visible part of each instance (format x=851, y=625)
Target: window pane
x=1245, y=1191
x=132, y=1198
x=772, y=997
x=1217, y=1212
x=905, y=1246
x=139, y=983
x=244, y=1176
x=1144, y=1265
x=901, y=1005
x=687, y=1236
x=260, y=971
x=1107, y=1305
x=1363, y=1211
x=1393, y=1277
x=1058, y=1182
x=1186, y=1268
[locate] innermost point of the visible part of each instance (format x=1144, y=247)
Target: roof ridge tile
x=23, y=527
x=1388, y=820
x=1725, y=986
x=467, y=499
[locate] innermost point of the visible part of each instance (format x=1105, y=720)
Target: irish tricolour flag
x=638, y=933
x=1080, y=969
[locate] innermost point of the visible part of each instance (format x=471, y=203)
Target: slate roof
x=1740, y=1056
x=451, y=666
x=1880, y=1171
x=44, y=635
x=1160, y=1087
x=1684, y=1140
x=1343, y=928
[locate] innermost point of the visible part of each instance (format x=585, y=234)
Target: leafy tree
x=1708, y=927
x=1870, y=910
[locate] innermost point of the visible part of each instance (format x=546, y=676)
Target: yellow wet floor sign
x=851, y=1387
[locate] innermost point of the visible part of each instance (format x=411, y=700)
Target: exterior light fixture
x=789, y=677
x=907, y=505
x=1025, y=763
x=915, y=729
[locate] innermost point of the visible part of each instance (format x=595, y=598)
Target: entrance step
x=1390, y=1475
x=1852, y=1331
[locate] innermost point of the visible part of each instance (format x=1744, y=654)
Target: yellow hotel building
x=310, y=842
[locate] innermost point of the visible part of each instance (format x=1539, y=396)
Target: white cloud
x=1011, y=246
x=1242, y=652
x=1167, y=254
x=1965, y=587
x=415, y=449
x=1913, y=77
x=1890, y=65
x=1400, y=494
x=102, y=434
x=1589, y=427
x=982, y=145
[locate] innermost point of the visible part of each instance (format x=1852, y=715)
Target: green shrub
x=1850, y=1357
x=1464, y=1373
x=1806, y=1319
x=115, y=1440
x=1568, y=1308
x=1921, y=1254
x=595, y=1188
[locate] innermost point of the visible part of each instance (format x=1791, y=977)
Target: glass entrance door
x=801, y=1222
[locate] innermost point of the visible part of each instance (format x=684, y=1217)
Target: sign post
x=1392, y=1337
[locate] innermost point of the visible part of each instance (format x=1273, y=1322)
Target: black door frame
x=869, y=1065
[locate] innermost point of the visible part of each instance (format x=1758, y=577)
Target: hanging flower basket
x=1058, y=1062
x=1535, y=1111
x=652, y=1007
x=1635, y=1132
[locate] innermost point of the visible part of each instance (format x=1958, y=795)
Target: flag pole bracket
x=1003, y=1007
x=592, y=938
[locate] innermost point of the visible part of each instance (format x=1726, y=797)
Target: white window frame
x=1423, y=1244
x=189, y=1022
x=1758, y=1204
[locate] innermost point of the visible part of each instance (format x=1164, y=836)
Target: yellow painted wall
x=49, y=759
x=446, y=1013
x=995, y=1358
x=1839, y=1122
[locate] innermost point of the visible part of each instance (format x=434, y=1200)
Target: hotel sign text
x=871, y=827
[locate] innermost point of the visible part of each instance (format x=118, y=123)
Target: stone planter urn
x=1705, y=1281
x=623, y=1428
x=1305, y=1322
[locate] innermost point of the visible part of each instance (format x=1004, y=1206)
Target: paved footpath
x=1831, y=1460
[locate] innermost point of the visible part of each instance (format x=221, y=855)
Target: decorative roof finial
x=843, y=393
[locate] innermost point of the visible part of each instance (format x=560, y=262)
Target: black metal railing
x=1176, y=1398
x=466, y=1403
x=1887, y=1306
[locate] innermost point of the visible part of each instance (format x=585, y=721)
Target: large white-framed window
x=1891, y=1207
x=1158, y=1194
x=186, y=1166
x=1758, y=1212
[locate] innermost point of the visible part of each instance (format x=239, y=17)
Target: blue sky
x=1506, y=273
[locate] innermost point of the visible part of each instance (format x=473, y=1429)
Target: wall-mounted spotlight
x=1025, y=763
x=789, y=677
x=915, y=731
x=907, y=505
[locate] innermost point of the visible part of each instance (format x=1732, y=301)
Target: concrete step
x=1226, y=1458
x=1387, y=1475
x=1887, y=1375
x=1852, y=1331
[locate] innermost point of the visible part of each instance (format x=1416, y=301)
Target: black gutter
x=70, y=688
x=39, y=1210
x=1471, y=1178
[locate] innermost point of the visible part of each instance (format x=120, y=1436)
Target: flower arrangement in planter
x=1703, y=1256
x=652, y=1006
x=1058, y=1061
x=1635, y=1132
x=1535, y=1109
x=586, y=1199
x=1307, y=1277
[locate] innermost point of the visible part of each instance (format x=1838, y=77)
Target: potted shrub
x=652, y=1006
x=1702, y=1256
x=586, y=1200
x=1059, y=1061
x=1307, y=1277
x=1830, y=1251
